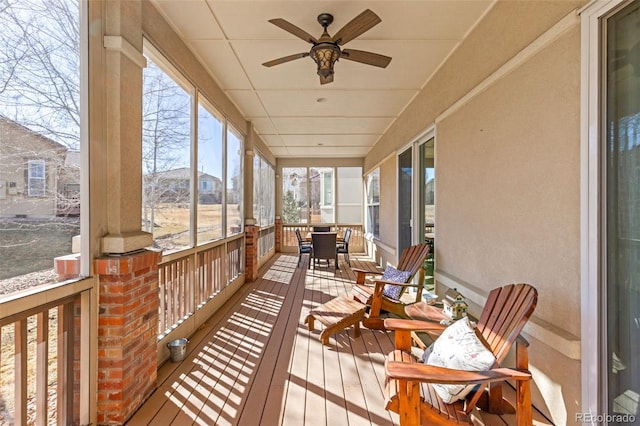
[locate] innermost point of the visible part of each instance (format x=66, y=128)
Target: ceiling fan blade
x=328, y=79
x=296, y=31
x=285, y=59
x=358, y=25
x=368, y=58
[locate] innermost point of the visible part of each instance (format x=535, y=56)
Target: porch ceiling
x=233, y=38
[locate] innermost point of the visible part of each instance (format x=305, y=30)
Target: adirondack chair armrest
x=361, y=274
x=397, y=324
x=384, y=282
x=380, y=284
x=520, y=340
x=366, y=271
x=432, y=374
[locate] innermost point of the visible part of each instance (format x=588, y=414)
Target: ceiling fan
x=326, y=50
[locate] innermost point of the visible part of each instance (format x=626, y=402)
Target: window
x=349, y=196
x=36, y=181
x=294, y=193
x=210, y=166
x=39, y=139
x=263, y=192
x=372, y=225
x=327, y=189
x=166, y=158
x=264, y=203
x=322, y=195
x=187, y=181
x=234, y=182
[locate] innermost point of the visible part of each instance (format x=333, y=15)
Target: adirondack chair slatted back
x=506, y=312
x=412, y=259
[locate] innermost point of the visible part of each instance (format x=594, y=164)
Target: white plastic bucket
x=177, y=349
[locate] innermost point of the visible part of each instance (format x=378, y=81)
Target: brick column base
x=67, y=266
x=127, y=334
x=251, y=251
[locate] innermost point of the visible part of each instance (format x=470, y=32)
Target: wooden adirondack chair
x=409, y=383
x=411, y=260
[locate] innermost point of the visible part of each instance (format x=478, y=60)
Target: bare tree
x=39, y=67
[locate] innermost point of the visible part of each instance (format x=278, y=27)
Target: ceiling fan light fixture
x=325, y=56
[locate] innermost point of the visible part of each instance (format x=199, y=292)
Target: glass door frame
x=418, y=235
x=412, y=188
x=593, y=265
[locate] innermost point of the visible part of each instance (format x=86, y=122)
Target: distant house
x=69, y=185
x=30, y=172
x=175, y=186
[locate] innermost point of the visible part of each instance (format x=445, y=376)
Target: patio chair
x=324, y=248
x=343, y=246
x=321, y=229
x=386, y=293
x=304, y=247
x=414, y=390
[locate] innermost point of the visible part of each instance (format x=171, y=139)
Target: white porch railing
x=44, y=355
x=190, y=281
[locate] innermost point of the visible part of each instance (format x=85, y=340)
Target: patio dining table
x=339, y=238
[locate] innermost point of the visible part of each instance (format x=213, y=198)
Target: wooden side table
x=337, y=314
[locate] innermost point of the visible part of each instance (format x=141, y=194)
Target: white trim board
x=120, y=44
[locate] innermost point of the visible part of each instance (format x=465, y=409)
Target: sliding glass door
x=405, y=205
x=621, y=251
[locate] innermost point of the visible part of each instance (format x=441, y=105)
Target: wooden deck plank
x=267, y=380
x=274, y=407
x=314, y=404
x=294, y=403
x=334, y=359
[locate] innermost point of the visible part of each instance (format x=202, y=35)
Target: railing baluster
x=42, y=367
x=65, y=364
x=20, y=357
x=162, y=287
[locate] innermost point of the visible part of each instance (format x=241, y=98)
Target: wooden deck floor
x=255, y=362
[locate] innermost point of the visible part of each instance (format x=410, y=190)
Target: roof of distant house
x=184, y=173
x=7, y=121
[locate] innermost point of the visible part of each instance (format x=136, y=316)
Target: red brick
x=111, y=299
x=112, y=288
x=115, y=396
x=105, y=321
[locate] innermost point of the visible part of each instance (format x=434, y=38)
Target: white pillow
x=459, y=348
